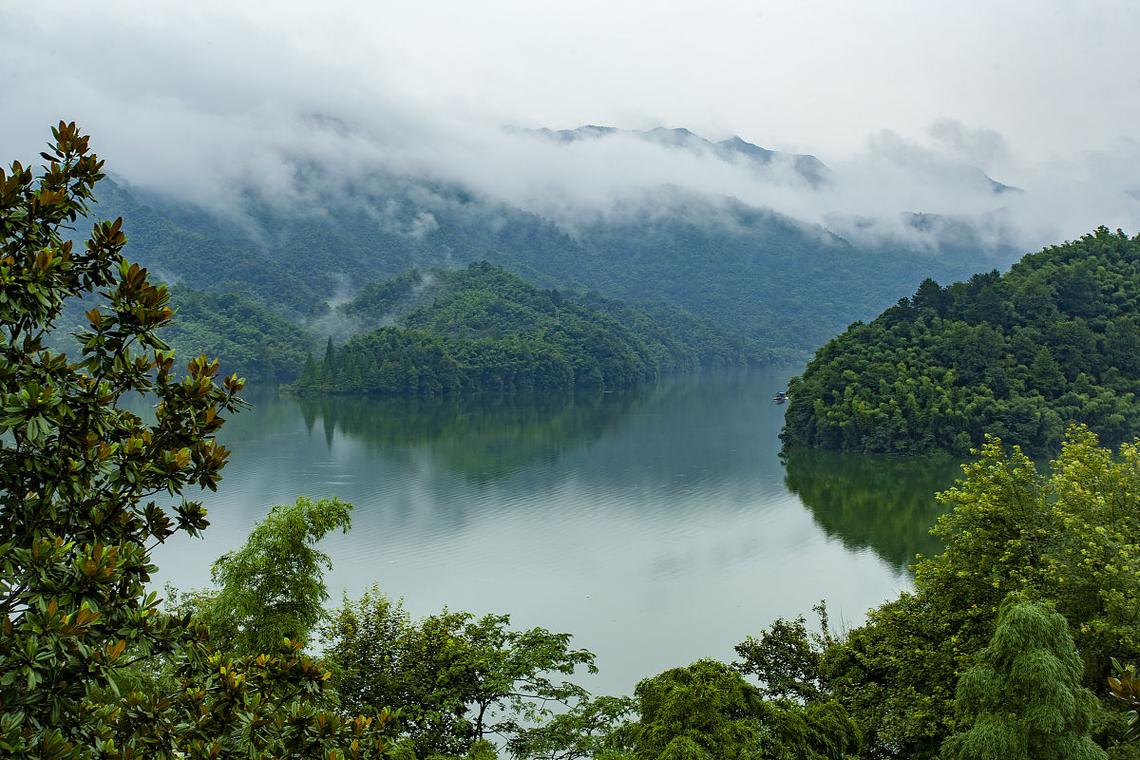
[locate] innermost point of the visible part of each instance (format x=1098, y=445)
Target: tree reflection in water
x=879, y=502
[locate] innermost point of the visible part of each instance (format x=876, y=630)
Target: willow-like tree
x=273, y=588
x=1024, y=700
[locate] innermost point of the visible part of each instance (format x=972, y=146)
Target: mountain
x=809, y=168
x=1055, y=340
x=766, y=278
x=183, y=244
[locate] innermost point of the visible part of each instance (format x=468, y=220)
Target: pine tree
x=1023, y=700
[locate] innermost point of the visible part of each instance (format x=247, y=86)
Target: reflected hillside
x=482, y=438
x=884, y=503
x=664, y=443
x=689, y=435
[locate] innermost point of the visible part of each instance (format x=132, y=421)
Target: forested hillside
x=484, y=329
x=786, y=285
x=256, y=341
x=1020, y=355
x=253, y=339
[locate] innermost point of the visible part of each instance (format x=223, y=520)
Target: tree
x=87, y=489
x=364, y=641
x=1068, y=537
x=708, y=711
x=705, y=710
x=459, y=679
x=786, y=658
x=273, y=587
x=1017, y=356
x=78, y=474
x=590, y=729
x=1023, y=700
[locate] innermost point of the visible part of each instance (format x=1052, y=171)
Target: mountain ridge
x=809, y=168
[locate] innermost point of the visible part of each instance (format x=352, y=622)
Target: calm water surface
x=658, y=527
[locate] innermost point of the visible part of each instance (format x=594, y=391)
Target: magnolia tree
x=88, y=488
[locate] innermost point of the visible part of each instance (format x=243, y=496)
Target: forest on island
x=483, y=329
x=1055, y=340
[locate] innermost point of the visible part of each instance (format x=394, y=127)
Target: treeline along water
x=658, y=526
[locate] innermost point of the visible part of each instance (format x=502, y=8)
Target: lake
x=657, y=526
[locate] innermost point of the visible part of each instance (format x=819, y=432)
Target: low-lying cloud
x=207, y=111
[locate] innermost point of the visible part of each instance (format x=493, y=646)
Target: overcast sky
x=1038, y=91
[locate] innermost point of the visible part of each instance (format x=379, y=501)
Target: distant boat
x=780, y=397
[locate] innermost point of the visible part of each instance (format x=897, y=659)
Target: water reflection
x=884, y=503
x=483, y=438
x=658, y=526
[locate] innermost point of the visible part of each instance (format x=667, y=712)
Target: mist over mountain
x=784, y=284
x=808, y=168
x=221, y=107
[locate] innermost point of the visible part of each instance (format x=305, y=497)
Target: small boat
x=780, y=397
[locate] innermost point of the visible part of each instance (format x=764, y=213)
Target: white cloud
x=203, y=99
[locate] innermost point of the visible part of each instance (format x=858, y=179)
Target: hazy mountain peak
x=678, y=136
x=738, y=144
x=807, y=167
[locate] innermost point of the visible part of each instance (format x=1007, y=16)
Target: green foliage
x=1124, y=685
x=380, y=301
x=1023, y=698
x=77, y=472
x=786, y=658
x=1068, y=538
x=459, y=679
x=707, y=710
x=275, y=704
x=86, y=490
x=273, y=587
x=895, y=675
x=589, y=729
x=484, y=329
x=250, y=338
x=677, y=339
x=1053, y=341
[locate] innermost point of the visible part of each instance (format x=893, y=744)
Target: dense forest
x=1054, y=340
x=253, y=339
x=256, y=341
x=485, y=329
x=757, y=275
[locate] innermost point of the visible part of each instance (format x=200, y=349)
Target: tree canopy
x=485, y=329
x=1020, y=356
x=459, y=679
x=273, y=588
x=1067, y=537
x=1023, y=698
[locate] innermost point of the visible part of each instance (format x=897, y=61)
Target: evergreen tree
x=1023, y=700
